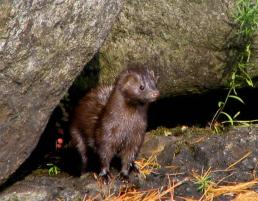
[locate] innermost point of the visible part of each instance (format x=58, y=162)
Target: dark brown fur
x=113, y=119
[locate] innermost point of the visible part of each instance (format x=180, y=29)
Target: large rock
x=43, y=46
x=187, y=41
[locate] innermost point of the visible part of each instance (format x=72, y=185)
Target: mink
x=113, y=119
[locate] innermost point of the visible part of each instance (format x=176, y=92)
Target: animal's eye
x=141, y=87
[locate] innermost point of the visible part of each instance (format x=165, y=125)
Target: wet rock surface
x=231, y=156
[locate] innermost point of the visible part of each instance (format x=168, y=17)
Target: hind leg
x=83, y=152
x=81, y=147
x=134, y=168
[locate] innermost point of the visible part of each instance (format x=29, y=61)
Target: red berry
x=58, y=146
x=60, y=141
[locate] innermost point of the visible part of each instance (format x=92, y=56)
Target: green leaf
x=248, y=51
x=220, y=103
x=216, y=129
x=237, y=98
x=236, y=115
x=249, y=82
x=231, y=121
x=234, y=90
x=245, y=124
x=233, y=76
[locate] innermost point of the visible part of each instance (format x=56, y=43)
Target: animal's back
x=88, y=111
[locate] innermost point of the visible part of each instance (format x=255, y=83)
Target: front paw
x=134, y=168
x=105, y=177
x=124, y=177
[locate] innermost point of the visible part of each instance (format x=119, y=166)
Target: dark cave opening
x=199, y=109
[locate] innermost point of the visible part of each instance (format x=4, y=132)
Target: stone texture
x=44, y=44
x=186, y=40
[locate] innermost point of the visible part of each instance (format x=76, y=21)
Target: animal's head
x=138, y=84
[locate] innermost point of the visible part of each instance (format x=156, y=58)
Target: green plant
x=53, y=169
x=203, y=181
x=246, y=17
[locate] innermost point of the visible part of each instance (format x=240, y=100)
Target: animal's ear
x=152, y=73
x=156, y=78
x=128, y=81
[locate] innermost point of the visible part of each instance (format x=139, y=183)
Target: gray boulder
x=43, y=47
x=186, y=41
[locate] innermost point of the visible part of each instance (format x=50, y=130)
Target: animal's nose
x=156, y=94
